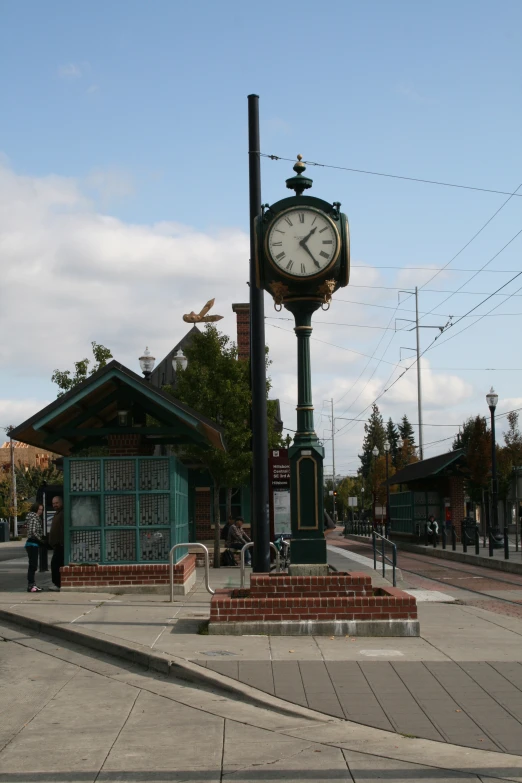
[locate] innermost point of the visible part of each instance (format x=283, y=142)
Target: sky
x=124, y=191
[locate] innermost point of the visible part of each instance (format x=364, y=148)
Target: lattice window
x=85, y=476
x=85, y=511
x=120, y=474
x=154, y=544
x=120, y=545
x=154, y=474
x=85, y=546
x=120, y=510
x=154, y=510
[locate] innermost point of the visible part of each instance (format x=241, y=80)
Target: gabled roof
x=164, y=373
x=88, y=412
x=426, y=468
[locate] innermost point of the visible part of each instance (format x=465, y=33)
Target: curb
x=448, y=554
x=177, y=668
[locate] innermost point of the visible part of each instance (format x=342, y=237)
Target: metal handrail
x=242, y=561
x=385, y=558
x=171, y=567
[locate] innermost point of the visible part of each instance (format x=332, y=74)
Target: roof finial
x=299, y=183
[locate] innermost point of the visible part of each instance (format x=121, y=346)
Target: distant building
x=25, y=456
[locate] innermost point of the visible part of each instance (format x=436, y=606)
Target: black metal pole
x=260, y=520
x=494, y=484
x=388, y=515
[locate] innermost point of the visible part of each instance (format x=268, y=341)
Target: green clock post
x=302, y=258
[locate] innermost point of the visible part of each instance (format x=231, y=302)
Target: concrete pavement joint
x=164, y=663
x=117, y=735
x=469, y=609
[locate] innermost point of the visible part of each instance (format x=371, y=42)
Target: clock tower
x=302, y=258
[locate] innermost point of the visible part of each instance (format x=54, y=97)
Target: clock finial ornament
x=299, y=183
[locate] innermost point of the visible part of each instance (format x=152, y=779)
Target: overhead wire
x=391, y=176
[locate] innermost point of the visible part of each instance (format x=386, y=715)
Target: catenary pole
x=333, y=464
x=260, y=518
x=419, y=390
x=15, y=494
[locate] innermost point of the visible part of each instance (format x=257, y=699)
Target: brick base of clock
x=335, y=605
x=135, y=578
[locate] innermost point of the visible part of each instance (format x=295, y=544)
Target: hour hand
x=305, y=247
x=307, y=237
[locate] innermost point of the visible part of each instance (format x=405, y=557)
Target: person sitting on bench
x=237, y=538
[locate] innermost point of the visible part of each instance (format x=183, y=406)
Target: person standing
x=56, y=541
x=32, y=545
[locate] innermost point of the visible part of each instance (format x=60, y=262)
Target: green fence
x=124, y=509
x=410, y=511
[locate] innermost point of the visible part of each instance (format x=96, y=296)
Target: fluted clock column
x=306, y=458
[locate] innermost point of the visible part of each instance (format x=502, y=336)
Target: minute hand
x=305, y=247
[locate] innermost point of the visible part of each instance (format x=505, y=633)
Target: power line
x=477, y=272
x=426, y=290
x=473, y=238
x=341, y=347
x=441, y=268
x=392, y=176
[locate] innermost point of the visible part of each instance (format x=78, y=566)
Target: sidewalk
x=460, y=682
x=69, y=715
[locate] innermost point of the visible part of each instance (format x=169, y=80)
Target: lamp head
x=492, y=398
x=386, y=446
x=147, y=362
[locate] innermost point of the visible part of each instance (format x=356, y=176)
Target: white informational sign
x=380, y=511
x=282, y=521
x=330, y=492
x=352, y=502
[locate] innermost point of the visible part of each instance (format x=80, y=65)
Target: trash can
x=4, y=531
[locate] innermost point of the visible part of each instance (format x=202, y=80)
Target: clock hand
x=307, y=237
x=305, y=247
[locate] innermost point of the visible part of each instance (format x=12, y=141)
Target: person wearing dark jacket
x=32, y=545
x=56, y=541
x=237, y=538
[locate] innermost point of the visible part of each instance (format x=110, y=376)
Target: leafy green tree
x=375, y=435
x=217, y=385
x=392, y=436
x=66, y=381
x=462, y=439
x=478, y=457
x=30, y=479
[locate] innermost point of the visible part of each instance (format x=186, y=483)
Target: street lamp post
x=179, y=361
x=388, y=517
x=147, y=362
x=492, y=400
x=375, y=452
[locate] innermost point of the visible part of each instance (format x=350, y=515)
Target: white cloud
x=70, y=71
x=407, y=90
x=72, y=273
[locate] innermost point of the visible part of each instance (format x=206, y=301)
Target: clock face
x=302, y=242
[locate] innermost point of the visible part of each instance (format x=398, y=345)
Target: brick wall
x=203, y=514
x=129, y=446
x=457, y=495
x=242, y=312
x=25, y=455
x=84, y=576
x=292, y=598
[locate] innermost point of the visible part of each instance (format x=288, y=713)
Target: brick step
x=384, y=604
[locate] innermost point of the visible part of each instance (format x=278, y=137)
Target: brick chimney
x=242, y=312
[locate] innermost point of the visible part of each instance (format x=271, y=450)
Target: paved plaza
x=444, y=706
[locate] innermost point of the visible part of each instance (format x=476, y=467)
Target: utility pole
x=419, y=387
x=333, y=463
x=260, y=518
x=417, y=327
x=13, y=483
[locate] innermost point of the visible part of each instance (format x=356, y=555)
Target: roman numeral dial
x=302, y=242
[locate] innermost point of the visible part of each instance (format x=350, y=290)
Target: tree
x=406, y=430
x=65, y=381
x=392, y=436
x=478, y=457
x=217, y=385
x=30, y=479
x=461, y=440
x=375, y=435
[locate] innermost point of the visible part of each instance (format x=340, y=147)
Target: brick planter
x=134, y=578
x=336, y=604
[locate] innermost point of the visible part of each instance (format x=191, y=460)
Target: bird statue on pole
x=202, y=317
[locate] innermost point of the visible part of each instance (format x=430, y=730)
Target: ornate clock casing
x=293, y=270
x=302, y=258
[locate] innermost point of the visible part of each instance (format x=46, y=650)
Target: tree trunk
x=229, y=504
x=217, y=528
